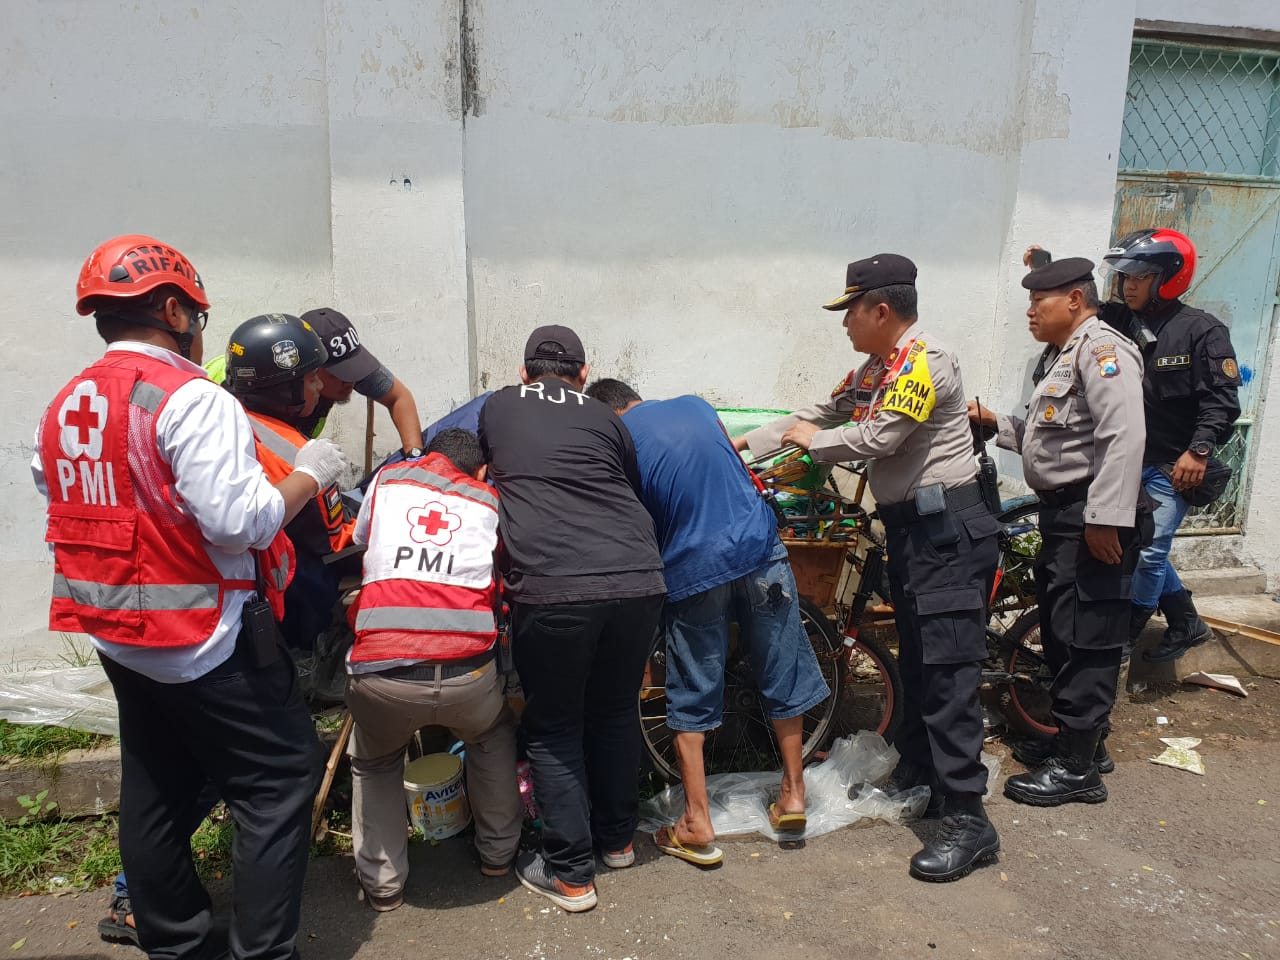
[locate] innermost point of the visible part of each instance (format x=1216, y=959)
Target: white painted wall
x=682, y=186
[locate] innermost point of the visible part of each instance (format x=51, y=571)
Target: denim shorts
x=764, y=605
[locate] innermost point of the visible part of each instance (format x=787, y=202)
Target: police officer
x=1189, y=390
x=1081, y=445
x=908, y=413
x=157, y=509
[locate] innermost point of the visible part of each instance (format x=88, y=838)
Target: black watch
x=413, y=454
x=1201, y=449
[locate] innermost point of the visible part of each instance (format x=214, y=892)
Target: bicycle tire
x=744, y=741
x=1016, y=593
x=870, y=691
x=1026, y=703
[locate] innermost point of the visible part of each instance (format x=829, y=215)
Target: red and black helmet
x=1168, y=254
x=132, y=266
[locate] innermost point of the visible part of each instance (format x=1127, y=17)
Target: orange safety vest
x=129, y=566
x=429, y=588
x=282, y=443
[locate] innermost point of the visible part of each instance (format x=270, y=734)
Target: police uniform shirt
x=1084, y=423
x=205, y=436
x=909, y=417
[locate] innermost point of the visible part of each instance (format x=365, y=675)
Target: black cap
x=1059, y=273
x=882, y=270
x=348, y=360
x=554, y=342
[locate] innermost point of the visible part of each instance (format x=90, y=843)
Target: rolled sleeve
x=206, y=438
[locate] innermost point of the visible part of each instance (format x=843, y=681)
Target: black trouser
x=1084, y=616
x=581, y=665
x=247, y=731
x=940, y=592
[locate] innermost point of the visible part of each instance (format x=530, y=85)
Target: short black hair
x=119, y=318
x=1088, y=288
x=460, y=447
x=901, y=298
x=538, y=368
x=614, y=394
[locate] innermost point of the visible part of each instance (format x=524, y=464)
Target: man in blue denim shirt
x=722, y=562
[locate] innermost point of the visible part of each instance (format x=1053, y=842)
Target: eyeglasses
x=201, y=317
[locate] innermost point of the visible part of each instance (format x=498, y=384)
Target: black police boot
x=1069, y=776
x=965, y=840
x=1186, y=629
x=1036, y=751
x=905, y=776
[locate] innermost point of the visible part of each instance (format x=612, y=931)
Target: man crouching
x=424, y=654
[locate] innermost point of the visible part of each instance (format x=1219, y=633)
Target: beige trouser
x=387, y=712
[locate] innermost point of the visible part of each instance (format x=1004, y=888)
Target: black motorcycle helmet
x=268, y=358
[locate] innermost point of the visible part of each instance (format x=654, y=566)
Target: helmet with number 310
x=1167, y=254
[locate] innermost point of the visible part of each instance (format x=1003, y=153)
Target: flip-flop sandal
x=700, y=855
x=787, y=822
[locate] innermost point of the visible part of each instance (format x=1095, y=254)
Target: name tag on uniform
x=1173, y=363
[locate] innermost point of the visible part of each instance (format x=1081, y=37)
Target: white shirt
x=205, y=437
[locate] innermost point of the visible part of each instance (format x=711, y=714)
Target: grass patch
x=36, y=743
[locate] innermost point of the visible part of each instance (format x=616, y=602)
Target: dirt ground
x=1173, y=865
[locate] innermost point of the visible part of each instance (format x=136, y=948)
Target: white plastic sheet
x=740, y=801
x=79, y=698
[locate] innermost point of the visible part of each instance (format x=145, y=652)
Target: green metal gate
x=1200, y=153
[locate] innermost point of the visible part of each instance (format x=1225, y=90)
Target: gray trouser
x=387, y=711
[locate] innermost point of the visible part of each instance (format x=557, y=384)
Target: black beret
x=1059, y=273
x=882, y=270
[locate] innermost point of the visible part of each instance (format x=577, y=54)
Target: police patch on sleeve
x=912, y=389
x=1231, y=369
x=1108, y=361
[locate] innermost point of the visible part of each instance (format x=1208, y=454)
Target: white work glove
x=322, y=460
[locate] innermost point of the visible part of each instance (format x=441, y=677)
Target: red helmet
x=1166, y=253
x=132, y=266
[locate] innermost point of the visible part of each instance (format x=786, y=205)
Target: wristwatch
x=1202, y=448
x=413, y=454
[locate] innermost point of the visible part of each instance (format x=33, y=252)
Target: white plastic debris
x=1217, y=681
x=1181, y=754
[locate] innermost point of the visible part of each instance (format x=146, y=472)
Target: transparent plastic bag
x=78, y=698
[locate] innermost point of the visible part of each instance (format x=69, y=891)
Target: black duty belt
x=1065, y=496
x=958, y=498
x=440, y=669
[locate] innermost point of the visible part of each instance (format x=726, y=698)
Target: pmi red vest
x=129, y=565
x=429, y=588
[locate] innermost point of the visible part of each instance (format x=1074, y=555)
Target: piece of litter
x=18, y=944
x=502, y=899
x=1262, y=803
x=1161, y=721
x=545, y=910
x=1163, y=823
x=787, y=914
x=1217, y=681
x=755, y=856
x=1181, y=755
x=1004, y=877
x=73, y=924
x=1149, y=869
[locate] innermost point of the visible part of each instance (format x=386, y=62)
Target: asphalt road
x=1173, y=865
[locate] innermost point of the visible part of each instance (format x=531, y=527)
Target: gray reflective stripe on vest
x=443, y=484
x=425, y=618
x=277, y=444
x=280, y=574
x=127, y=596
x=147, y=396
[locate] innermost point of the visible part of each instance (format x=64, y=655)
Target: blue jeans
x=1155, y=576
x=765, y=605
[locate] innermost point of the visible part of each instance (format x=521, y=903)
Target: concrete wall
x=683, y=187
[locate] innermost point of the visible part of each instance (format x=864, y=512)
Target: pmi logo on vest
x=82, y=418
x=432, y=523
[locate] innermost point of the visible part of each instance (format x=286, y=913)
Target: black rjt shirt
x=571, y=520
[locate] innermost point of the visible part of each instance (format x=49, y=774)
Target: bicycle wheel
x=1016, y=591
x=1027, y=701
x=871, y=691
x=744, y=740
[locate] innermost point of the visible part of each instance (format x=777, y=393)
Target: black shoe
x=965, y=841
x=1036, y=751
x=1069, y=776
x=905, y=776
x=1186, y=629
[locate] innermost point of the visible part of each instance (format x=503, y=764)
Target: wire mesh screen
x=1201, y=109
x=1226, y=513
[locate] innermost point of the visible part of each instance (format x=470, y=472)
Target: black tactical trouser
x=1084, y=616
x=941, y=569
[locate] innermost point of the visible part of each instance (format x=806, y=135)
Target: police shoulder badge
x=1231, y=369
x=1108, y=361
x=844, y=384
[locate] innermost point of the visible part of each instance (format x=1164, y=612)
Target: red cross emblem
x=432, y=523
x=83, y=416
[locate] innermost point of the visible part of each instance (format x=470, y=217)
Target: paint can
x=435, y=796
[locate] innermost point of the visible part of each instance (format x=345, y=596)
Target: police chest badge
x=844, y=384
x=1049, y=411
x=285, y=354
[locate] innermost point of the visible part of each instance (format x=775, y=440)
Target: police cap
x=882, y=270
x=1060, y=273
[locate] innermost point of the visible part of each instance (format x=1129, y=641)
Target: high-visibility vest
x=129, y=566
x=282, y=443
x=429, y=588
